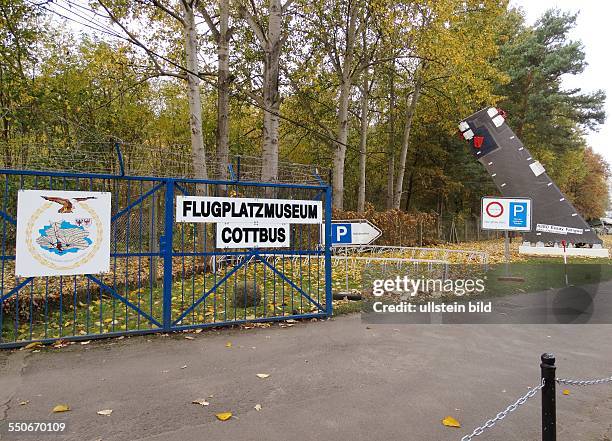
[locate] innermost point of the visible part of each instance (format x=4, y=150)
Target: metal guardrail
x=415, y=253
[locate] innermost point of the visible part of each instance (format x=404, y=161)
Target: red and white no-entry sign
x=494, y=209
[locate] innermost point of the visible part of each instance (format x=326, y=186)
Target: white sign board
x=512, y=214
x=62, y=233
x=252, y=235
x=355, y=232
x=245, y=210
x=558, y=229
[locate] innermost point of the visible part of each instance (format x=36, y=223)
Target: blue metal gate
x=164, y=276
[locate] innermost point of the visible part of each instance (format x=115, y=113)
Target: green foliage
x=545, y=115
x=64, y=90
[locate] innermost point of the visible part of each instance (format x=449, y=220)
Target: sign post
x=507, y=214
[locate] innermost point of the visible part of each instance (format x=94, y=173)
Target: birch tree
x=363, y=144
x=342, y=22
x=267, y=25
x=182, y=14
x=222, y=34
x=411, y=103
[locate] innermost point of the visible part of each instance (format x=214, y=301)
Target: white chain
x=583, y=382
x=504, y=413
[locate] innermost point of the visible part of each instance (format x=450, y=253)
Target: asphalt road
x=340, y=379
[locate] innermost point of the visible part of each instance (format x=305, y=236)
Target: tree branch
x=168, y=11
x=255, y=27
x=286, y=6
x=209, y=22
x=134, y=40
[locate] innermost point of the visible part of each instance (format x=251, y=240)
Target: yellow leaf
x=34, y=345
x=61, y=408
x=566, y=392
x=224, y=416
x=263, y=375
x=228, y=344
x=449, y=421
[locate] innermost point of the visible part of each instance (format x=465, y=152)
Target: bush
x=398, y=227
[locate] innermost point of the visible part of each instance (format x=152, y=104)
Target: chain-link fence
x=146, y=159
x=463, y=228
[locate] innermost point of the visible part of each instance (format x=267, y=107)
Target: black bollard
x=549, y=411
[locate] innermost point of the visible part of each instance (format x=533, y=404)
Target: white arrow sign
x=354, y=232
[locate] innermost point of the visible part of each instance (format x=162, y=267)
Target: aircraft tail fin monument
x=517, y=174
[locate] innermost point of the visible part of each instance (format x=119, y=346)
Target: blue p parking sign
x=518, y=214
x=341, y=233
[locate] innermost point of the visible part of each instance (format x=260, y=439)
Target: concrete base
x=558, y=251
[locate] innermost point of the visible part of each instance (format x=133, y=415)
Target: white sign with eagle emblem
x=62, y=233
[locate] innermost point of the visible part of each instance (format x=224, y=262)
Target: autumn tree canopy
x=371, y=90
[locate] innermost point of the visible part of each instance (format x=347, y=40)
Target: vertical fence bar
x=328, y=239
x=167, y=252
x=549, y=413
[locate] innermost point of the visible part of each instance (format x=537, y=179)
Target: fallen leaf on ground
x=291, y=321
x=189, y=337
x=61, y=408
x=263, y=375
x=449, y=421
x=228, y=344
x=224, y=416
x=258, y=407
x=34, y=345
x=105, y=412
x=23, y=403
x=201, y=402
x=566, y=392
x=86, y=342
x=184, y=366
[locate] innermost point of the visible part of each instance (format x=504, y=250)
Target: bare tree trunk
x=363, y=145
x=271, y=96
x=223, y=89
x=346, y=81
x=399, y=184
x=411, y=182
x=198, y=152
x=391, y=145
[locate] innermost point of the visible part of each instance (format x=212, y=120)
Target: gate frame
x=169, y=184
